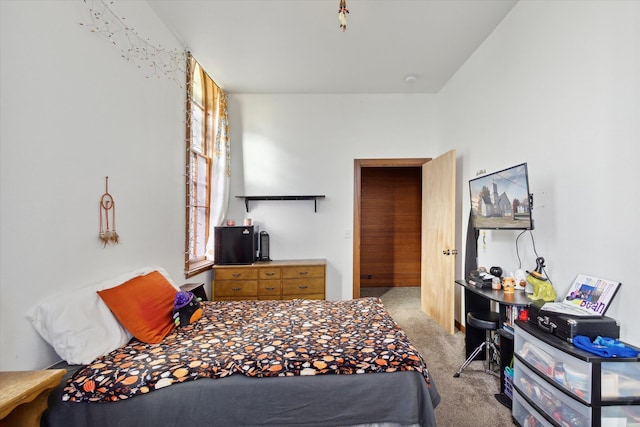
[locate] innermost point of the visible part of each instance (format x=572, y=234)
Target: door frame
x=358, y=164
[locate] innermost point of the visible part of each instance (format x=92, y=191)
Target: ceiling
x=296, y=46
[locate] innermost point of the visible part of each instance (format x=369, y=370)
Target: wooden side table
x=24, y=394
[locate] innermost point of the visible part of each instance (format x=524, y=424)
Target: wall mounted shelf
x=315, y=198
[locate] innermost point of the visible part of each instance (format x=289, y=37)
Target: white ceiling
x=296, y=46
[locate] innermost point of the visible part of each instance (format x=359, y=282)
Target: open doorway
x=387, y=223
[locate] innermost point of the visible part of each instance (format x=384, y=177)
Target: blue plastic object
x=604, y=346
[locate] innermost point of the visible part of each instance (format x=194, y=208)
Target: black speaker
x=264, y=246
x=471, y=252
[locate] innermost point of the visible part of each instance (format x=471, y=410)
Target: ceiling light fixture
x=410, y=79
x=342, y=15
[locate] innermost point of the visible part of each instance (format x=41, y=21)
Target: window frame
x=197, y=234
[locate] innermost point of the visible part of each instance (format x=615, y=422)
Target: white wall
x=72, y=112
x=306, y=145
x=558, y=85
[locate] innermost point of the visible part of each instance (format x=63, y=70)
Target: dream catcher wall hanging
x=108, y=218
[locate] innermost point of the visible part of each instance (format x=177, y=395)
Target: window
x=207, y=166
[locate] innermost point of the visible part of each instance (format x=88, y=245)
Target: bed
x=244, y=363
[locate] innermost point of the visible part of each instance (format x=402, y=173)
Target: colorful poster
x=587, y=296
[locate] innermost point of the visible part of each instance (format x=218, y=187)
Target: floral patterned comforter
x=256, y=339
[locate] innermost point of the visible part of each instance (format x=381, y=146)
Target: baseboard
x=458, y=326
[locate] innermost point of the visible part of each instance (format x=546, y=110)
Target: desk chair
x=489, y=321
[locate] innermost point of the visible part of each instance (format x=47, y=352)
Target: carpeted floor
x=466, y=401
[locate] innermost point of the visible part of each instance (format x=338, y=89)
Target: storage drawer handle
x=303, y=286
x=270, y=289
x=303, y=272
x=270, y=273
x=236, y=274
x=236, y=289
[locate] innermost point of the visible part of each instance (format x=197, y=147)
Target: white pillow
x=79, y=325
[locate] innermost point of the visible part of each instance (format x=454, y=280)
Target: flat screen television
x=501, y=200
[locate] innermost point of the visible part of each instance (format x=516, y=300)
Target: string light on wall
x=156, y=60
x=342, y=15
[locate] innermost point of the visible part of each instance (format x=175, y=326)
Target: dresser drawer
x=293, y=272
x=269, y=289
x=620, y=380
x=235, y=288
x=627, y=414
x=269, y=273
x=313, y=285
x=548, y=399
x=564, y=370
x=242, y=273
x=524, y=413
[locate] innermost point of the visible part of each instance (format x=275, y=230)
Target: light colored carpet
x=466, y=401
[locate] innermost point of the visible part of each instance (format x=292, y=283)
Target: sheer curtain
x=220, y=169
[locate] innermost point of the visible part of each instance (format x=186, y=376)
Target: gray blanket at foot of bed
x=325, y=400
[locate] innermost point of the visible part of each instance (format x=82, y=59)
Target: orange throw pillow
x=143, y=305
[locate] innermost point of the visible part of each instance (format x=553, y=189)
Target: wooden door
x=438, y=239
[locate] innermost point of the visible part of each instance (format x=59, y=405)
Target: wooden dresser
x=283, y=279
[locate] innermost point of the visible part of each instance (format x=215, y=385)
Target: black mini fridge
x=234, y=245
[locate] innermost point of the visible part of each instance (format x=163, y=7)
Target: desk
x=479, y=299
